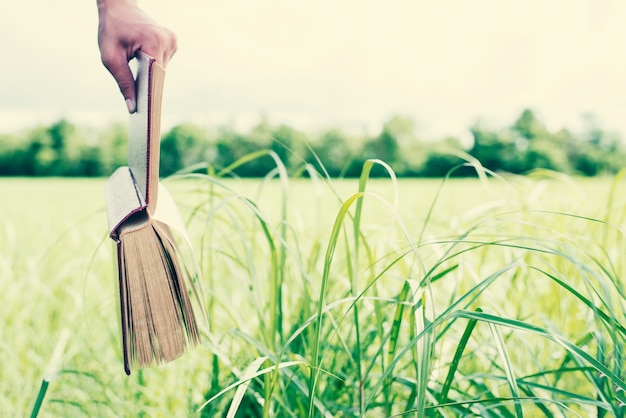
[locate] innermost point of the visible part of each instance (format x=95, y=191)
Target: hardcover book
x=157, y=318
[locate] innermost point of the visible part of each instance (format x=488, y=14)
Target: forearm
x=113, y=8
x=105, y=3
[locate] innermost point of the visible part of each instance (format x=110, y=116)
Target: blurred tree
x=415, y=157
x=12, y=155
x=91, y=162
x=401, y=128
x=67, y=144
x=543, y=149
x=529, y=126
x=40, y=155
x=441, y=163
x=398, y=134
x=291, y=146
x=232, y=147
x=113, y=146
x=498, y=151
x=441, y=160
x=334, y=151
x=547, y=153
x=183, y=146
x=526, y=145
x=598, y=152
x=384, y=147
x=63, y=149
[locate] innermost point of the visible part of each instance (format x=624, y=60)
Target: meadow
x=492, y=296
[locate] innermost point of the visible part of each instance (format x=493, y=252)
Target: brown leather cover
x=145, y=129
x=135, y=188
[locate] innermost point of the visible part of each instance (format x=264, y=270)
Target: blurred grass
x=328, y=299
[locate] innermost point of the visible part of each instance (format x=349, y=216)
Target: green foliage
x=232, y=146
x=383, y=297
x=334, y=154
x=499, y=151
x=290, y=146
x=13, y=156
x=63, y=149
x=529, y=126
x=183, y=146
x=113, y=148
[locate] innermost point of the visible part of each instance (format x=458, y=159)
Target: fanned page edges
x=157, y=317
x=158, y=321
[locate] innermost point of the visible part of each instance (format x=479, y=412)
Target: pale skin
x=123, y=30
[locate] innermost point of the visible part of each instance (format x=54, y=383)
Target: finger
x=170, y=50
x=161, y=46
x=119, y=69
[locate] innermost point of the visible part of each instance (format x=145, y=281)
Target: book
x=157, y=318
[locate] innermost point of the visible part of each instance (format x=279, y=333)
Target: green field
x=501, y=297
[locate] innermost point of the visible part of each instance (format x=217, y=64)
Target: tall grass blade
x=328, y=258
x=569, y=346
x=247, y=377
x=397, y=322
x=610, y=321
x=367, y=167
x=422, y=352
x=394, y=335
x=40, y=398
x=609, y=205
x=52, y=371
x=508, y=367
x=242, y=161
x=456, y=359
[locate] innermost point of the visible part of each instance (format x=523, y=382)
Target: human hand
x=123, y=30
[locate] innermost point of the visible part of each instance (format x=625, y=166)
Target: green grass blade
x=241, y=389
x=609, y=320
x=248, y=378
x=397, y=322
x=524, y=326
x=508, y=367
x=40, y=398
x=456, y=360
x=328, y=258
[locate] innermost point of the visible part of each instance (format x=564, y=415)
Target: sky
x=331, y=63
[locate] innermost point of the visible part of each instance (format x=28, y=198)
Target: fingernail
x=130, y=103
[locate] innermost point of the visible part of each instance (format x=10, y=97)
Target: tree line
x=65, y=149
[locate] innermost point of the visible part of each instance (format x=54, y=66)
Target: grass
x=492, y=297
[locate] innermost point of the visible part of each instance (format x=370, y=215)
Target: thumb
x=120, y=71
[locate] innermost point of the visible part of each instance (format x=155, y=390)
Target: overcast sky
x=327, y=63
